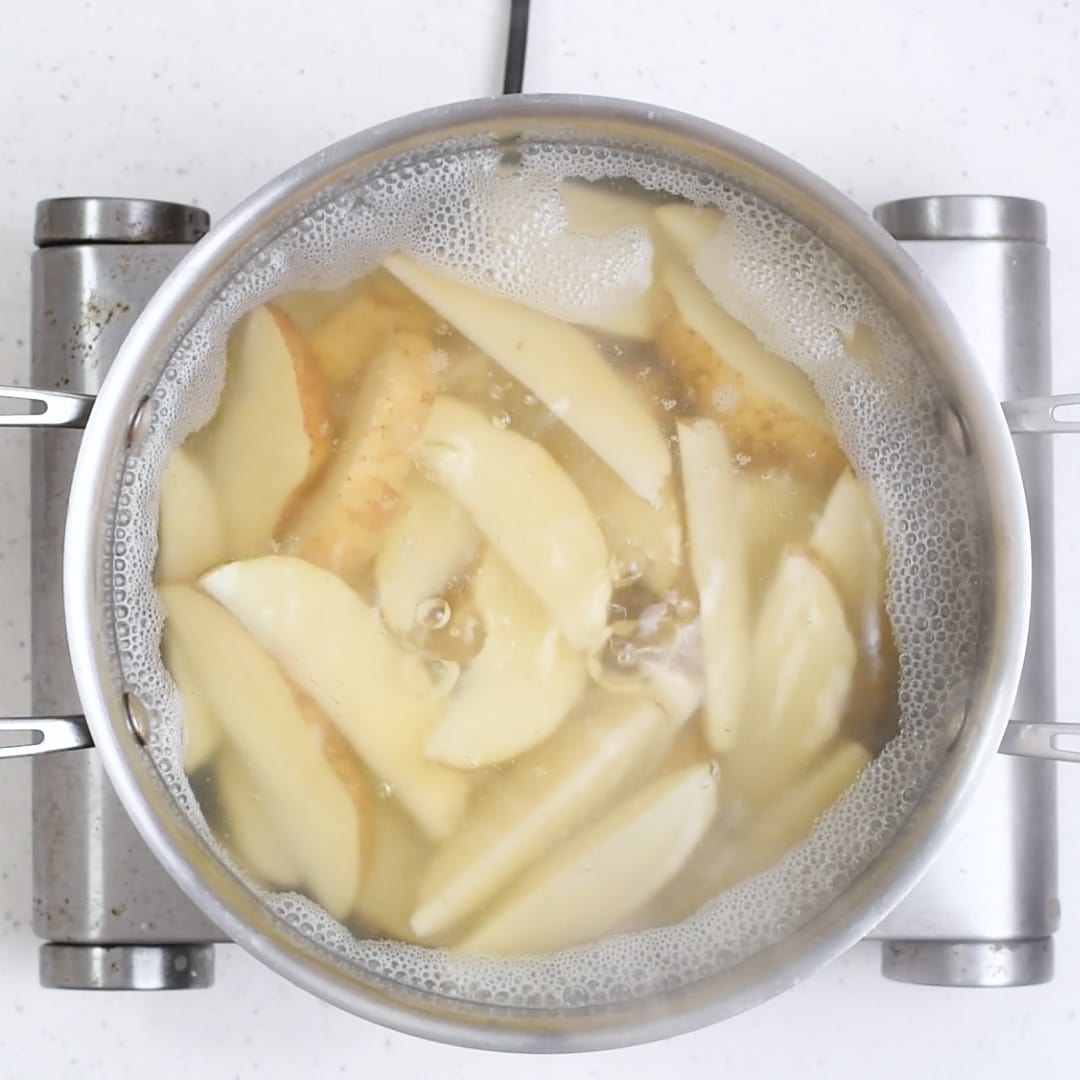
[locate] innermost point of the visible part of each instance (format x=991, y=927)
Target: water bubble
x=433, y=613
x=627, y=565
x=444, y=676
x=500, y=419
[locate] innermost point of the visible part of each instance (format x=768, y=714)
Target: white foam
x=445, y=206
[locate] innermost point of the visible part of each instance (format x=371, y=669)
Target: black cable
x=514, y=76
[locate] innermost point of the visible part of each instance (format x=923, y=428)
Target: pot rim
x=843, y=225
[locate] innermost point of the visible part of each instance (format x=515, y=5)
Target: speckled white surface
x=206, y=100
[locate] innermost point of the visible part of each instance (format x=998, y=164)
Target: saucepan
x=457, y=1013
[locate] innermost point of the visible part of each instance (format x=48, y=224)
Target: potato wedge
x=768, y=407
x=537, y=802
x=307, y=308
x=334, y=647
x=398, y=856
x=262, y=722
x=342, y=522
x=562, y=366
x=430, y=541
x=688, y=747
x=594, y=209
x=530, y=511
x=247, y=826
x=201, y=727
x=788, y=822
x=630, y=524
x=848, y=539
x=465, y=373
x=776, y=507
x=270, y=434
x=804, y=659
x=191, y=537
x=346, y=341
x=718, y=564
x=519, y=688
x=341, y=757
x=689, y=227
x=598, y=879
x=729, y=854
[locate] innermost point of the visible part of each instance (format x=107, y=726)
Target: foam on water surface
x=465, y=211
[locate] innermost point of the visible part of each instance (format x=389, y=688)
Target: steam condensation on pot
x=498, y=223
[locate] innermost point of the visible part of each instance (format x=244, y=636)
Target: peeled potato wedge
x=262, y=721
x=688, y=747
x=597, y=880
x=201, y=728
x=342, y=522
x=430, y=541
x=534, y=804
x=688, y=227
x=768, y=407
x=335, y=648
x=728, y=854
x=398, y=855
x=592, y=209
x=596, y=209
x=848, y=539
x=348, y=338
x=718, y=564
x=788, y=822
x=776, y=507
x=628, y=522
x=191, y=537
x=804, y=659
x=307, y=308
x=562, y=366
x=529, y=510
x=270, y=434
x=247, y=826
x=520, y=686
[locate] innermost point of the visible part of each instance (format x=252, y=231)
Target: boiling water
x=500, y=226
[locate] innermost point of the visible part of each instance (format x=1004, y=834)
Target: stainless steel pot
x=118, y=727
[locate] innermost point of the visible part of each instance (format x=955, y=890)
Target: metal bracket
x=29, y=736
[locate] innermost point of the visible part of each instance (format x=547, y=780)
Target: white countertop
x=204, y=101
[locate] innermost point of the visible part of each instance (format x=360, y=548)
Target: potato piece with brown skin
x=342, y=759
x=341, y=524
x=271, y=433
x=346, y=341
x=260, y=718
x=769, y=431
x=334, y=646
x=199, y=723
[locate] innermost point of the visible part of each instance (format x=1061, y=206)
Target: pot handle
x=47, y=408
x=1040, y=415
x=28, y=736
x=1051, y=742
